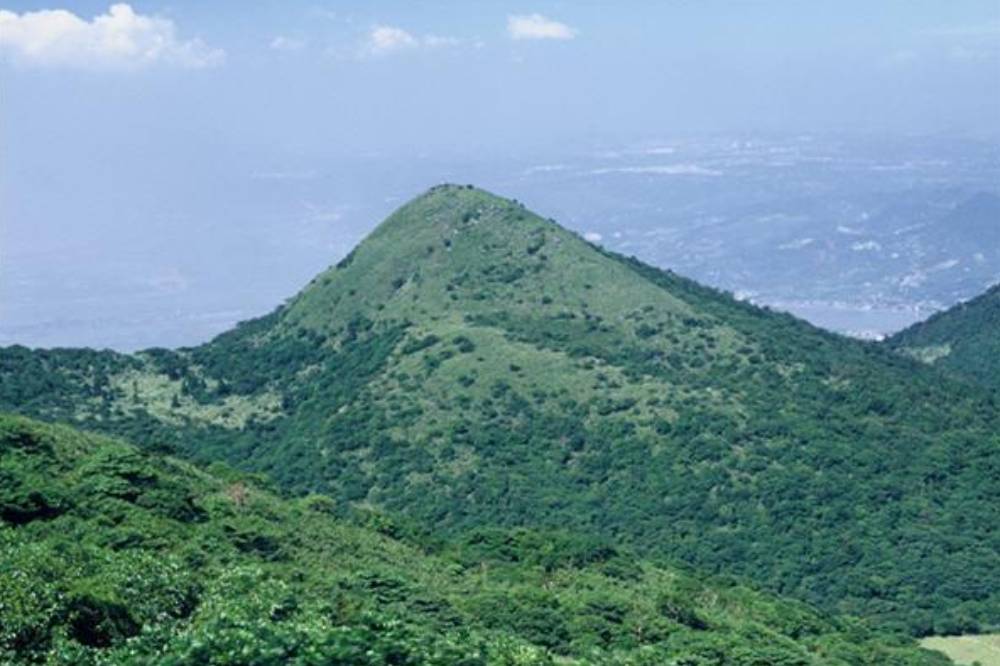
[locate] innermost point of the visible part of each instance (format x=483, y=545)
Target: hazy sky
x=375, y=75
x=144, y=128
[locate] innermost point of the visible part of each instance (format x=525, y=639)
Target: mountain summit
x=471, y=363
x=457, y=250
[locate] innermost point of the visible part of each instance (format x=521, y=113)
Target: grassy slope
x=967, y=650
x=964, y=339
x=112, y=555
x=473, y=364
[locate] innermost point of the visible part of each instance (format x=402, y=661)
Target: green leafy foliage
x=472, y=365
x=964, y=340
x=121, y=576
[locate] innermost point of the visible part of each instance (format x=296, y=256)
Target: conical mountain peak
x=461, y=250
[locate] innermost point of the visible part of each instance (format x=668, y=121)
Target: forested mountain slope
x=109, y=555
x=472, y=364
x=964, y=339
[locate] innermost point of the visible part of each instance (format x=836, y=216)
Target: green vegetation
x=471, y=365
x=111, y=555
x=963, y=340
x=983, y=650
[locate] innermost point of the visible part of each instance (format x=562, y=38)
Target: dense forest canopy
x=963, y=340
x=112, y=555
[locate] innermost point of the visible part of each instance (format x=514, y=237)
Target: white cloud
x=119, y=39
x=288, y=44
x=385, y=39
x=593, y=237
x=536, y=26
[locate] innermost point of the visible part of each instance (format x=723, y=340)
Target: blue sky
x=155, y=128
x=296, y=74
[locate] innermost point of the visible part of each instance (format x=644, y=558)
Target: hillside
x=472, y=364
x=111, y=555
x=964, y=339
